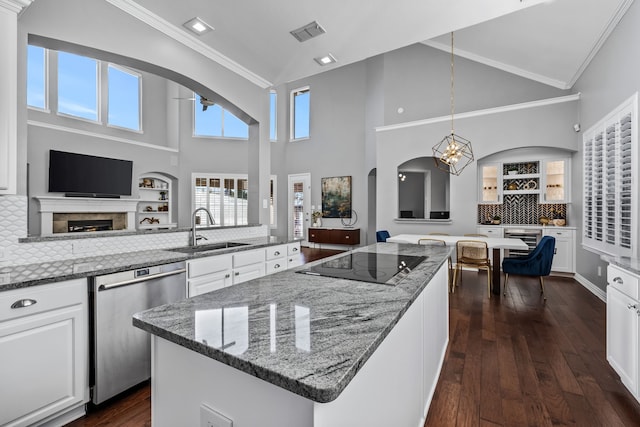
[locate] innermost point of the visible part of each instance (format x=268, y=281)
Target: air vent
x=307, y=32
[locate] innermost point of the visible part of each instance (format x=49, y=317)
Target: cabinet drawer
x=276, y=265
x=625, y=282
x=294, y=261
x=293, y=248
x=42, y=298
x=248, y=257
x=559, y=234
x=490, y=231
x=274, y=252
x=214, y=264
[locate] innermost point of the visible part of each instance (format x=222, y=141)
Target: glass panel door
x=299, y=205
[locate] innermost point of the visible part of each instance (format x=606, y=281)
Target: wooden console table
x=335, y=236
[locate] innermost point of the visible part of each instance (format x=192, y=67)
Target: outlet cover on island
x=211, y=418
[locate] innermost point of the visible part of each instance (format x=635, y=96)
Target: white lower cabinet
x=276, y=259
x=44, y=352
x=208, y=274
x=623, y=323
x=564, y=258
x=490, y=231
x=294, y=256
x=248, y=265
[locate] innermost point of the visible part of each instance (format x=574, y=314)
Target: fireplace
x=81, y=226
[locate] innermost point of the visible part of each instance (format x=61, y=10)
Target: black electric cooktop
x=367, y=267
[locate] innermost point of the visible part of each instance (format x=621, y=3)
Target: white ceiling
x=548, y=41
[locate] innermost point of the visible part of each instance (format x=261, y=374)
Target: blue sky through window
x=77, y=86
x=217, y=122
x=301, y=115
x=36, y=77
x=124, y=99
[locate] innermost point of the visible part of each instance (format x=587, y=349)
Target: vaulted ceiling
x=550, y=41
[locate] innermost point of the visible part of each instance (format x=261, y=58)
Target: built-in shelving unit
x=154, y=207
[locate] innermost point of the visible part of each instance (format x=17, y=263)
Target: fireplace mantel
x=50, y=205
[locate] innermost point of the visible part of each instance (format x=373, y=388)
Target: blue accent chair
x=536, y=264
x=382, y=235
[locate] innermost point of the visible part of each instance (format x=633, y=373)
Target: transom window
x=215, y=121
x=77, y=86
x=273, y=115
x=300, y=113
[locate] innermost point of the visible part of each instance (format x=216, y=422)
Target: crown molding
x=15, y=6
x=179, y=35
x=499, y=65
x=606, y=32
x=478, y=113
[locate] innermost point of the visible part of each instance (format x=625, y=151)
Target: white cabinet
x=564, y=258
x=294, y=255
x=208, y=274
x=154, y=208
x=490, y=231
x=43, y=343
x=276, y=259
x=623, y=319
x=248, y=265
x=490, y=179
x=8, y=105
x=555, y=181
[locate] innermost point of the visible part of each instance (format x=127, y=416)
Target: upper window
x=300, y=113
x=36, y=77
x=124, y=98
x=215, y=121
x=77, y=86
x=225, y=196
x=273, y=115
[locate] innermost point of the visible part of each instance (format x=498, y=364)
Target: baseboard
x=591, y=287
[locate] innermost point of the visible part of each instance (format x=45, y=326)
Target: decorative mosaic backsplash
x=520, y=209
x=13, y=227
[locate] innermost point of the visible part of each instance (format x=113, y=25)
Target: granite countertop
x=22, y=276
x=307, y=334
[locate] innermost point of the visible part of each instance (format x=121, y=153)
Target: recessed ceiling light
x=197, y=26
x=325, y=60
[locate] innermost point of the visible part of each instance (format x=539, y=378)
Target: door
x=622, y=337
x=299, y=205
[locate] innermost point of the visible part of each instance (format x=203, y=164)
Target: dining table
x=493, y=243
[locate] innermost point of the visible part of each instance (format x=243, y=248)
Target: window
x=300, y=109
x=124, y=98
x=215, y=121
x=77, y=86
x=225, y=196
x=273, y=116
x=36, y=77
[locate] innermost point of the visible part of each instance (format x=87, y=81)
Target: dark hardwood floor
x=511, y=361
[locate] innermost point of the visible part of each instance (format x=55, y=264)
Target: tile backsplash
x=520, y=209
x=13, y=227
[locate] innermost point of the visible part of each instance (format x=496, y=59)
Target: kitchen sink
x=209, y=247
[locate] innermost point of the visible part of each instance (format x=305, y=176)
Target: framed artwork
x=336, y=197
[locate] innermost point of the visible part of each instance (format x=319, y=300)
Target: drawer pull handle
x=618, y=280
x=632, y=306
x=23, y=303
x=294, y=250
x=276, y=266
x=237, y=273
x=346, y=237
x=226, y=276
x=276, y=253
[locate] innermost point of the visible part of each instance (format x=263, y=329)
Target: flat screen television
x=81, y=175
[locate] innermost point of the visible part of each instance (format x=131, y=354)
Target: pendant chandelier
x=453, y=153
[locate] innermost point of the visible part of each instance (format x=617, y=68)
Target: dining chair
x=382, y=235
x=476, y=235
x=437, y=242
x=536, y=264
x=472, y=253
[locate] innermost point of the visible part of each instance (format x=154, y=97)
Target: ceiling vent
x=307, y=32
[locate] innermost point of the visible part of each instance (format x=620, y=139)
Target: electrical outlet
x=211, y=418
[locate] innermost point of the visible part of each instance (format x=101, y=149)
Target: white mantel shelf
x=51, y=204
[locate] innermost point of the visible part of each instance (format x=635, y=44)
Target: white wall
x=611, y=78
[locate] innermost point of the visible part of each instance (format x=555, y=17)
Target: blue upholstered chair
x=382, y=235
x=536, y=264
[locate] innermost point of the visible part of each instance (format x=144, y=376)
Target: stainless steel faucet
x=193, y=237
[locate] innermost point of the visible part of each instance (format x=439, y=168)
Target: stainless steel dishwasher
x=120, y=352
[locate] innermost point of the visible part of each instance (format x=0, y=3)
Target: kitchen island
x=304, y=350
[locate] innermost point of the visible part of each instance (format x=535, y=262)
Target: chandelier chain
x=452, y=88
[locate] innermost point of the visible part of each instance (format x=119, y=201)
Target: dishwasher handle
x=140, y=279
